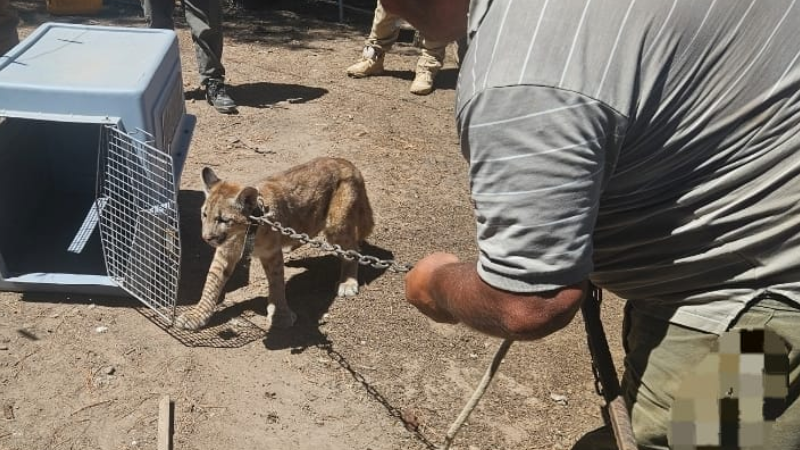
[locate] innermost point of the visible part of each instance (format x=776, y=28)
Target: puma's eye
x=204, y=215
x=224, y=220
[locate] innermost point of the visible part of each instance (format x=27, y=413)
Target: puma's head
x=226, y=210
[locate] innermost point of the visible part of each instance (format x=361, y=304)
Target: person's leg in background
x=8, y=27
x=428, y=66
x=205, y=21
x=204, y=18
x=381, y=38
x=159, y=13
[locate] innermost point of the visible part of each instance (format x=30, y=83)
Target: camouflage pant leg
x=433, y=53
x=384, y=31
x=384, y=34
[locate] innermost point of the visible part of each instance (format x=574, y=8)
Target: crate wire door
x=139, y=228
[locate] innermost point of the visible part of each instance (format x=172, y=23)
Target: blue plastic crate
x=93, y=128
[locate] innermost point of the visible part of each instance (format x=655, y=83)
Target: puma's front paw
x=191, y=320
x=348, y=288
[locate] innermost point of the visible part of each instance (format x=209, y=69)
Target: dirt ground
x=365, y=373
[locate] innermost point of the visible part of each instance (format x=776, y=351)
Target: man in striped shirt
x=651, y=147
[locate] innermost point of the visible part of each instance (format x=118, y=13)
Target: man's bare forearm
x=457, y=289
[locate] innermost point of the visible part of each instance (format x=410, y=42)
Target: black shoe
x=218, y=98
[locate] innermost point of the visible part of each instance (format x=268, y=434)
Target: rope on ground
x=478, y=394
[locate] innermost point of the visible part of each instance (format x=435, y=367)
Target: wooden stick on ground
x=476, y=396
x=165, y=424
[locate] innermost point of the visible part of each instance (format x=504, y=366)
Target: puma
x=325, y=195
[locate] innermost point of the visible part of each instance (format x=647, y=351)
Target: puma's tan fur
x=323, y=195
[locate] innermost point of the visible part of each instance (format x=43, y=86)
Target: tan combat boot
x=371, y=63
x=423, y=80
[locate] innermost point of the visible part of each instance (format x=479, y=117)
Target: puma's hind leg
x=348, y=277
x=222, y=267
x=343, y=234
x=349, y=222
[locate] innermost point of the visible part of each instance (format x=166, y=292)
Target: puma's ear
x=248, y=200
x=209, y=179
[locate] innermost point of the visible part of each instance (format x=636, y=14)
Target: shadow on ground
x=310, y=295
x=265, y=94
x=445, y=80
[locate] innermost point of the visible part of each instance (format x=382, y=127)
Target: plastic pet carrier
x=93, y=137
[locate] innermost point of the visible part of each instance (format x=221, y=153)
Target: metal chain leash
x=349, y=255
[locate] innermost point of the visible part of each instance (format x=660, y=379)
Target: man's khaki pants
x=8, y=27
x=661, y=356
x=385, y=31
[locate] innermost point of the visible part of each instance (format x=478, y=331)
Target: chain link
x=350, y=255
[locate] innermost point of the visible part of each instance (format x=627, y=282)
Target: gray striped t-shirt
x=652, y=146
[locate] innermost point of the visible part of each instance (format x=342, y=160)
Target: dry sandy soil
x=362, y=373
